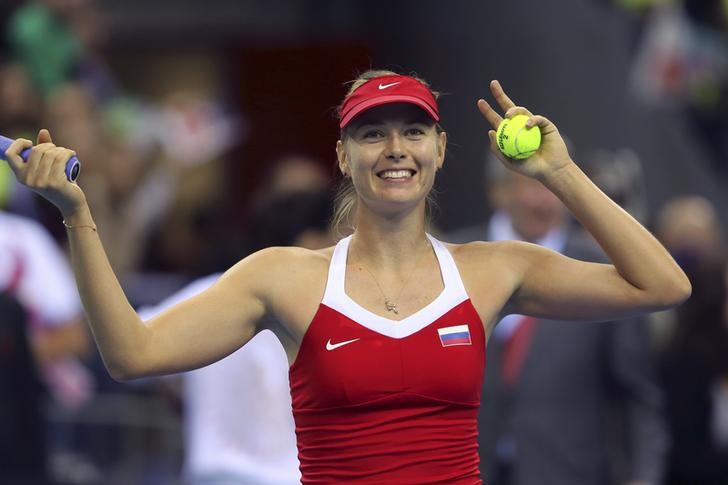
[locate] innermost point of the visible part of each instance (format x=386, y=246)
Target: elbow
x=684, y=289
x=687, y=290
x=676, y=293
x=124, y=371
x=120, y=375
x=128, y=360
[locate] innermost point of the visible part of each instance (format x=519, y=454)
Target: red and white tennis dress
x=384, y=401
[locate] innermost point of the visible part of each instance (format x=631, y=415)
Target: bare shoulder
x=477, y=258
x=285, y=256
x=289, y=281
x=477, y=253
x=491, y=273
x=280, y=267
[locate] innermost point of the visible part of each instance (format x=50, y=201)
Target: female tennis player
x=390, y=323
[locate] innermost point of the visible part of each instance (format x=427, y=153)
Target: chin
x=391, y=204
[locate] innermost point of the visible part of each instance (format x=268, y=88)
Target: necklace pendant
x=391, y=307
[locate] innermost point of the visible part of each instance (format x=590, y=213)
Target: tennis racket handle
x=73, y=166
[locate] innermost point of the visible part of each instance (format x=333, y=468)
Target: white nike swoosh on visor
x=330, y=346
x=385, y=86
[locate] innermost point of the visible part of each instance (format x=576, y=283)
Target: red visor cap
x=385, y=90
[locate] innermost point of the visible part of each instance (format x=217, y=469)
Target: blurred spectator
x=58, y=41
x=297, y=173
x=73, y=116
x=132, y=181
x=195, y=133
x=694, y=369
x=197, y=237
x=231, y=438
x=43, y=42
x=682, y=62
x=285, y=176
x=290, y=173
x=22, y=435
x=34, y=269
x=35, y=272
x=689, y=228
x=21, y=103
x=553, y=390
x=293, y=216
x=620, y=175
x=193, y=233
x=122, y=176
x=18, y=118
x=193, y=128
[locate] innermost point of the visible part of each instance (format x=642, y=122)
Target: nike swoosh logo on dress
x=330, y=346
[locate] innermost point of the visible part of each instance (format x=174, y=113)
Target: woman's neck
x=390, y=242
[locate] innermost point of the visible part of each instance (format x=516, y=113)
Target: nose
x=395, y=148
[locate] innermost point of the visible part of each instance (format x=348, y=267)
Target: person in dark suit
x=555, y=392
x=694, y=374
x=22, y=432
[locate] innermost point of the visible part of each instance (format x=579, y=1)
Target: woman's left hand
x=551, y=156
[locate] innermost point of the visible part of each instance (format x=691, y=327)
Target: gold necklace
x=390, y=305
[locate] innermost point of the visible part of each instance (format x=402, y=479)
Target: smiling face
x=391, y=152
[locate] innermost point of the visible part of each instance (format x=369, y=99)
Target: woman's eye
x=372, y=134
x=414, y=132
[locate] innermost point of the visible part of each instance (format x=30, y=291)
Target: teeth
x=395, y=174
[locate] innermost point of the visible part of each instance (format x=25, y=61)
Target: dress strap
x=337, y=273
x=449, y=270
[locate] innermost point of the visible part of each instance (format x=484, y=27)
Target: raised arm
x=190, y=335
x=643, y=276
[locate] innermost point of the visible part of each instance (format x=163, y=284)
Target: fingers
x=504, y=102
x=12, y=155
x=37, y=153
x=48, y=168
x=545, y=125
x=495, y=119
x=44, y=136
x=34, y=166
x=518, y=110
x=500, y=96
x=489, y=113
x=44, y=165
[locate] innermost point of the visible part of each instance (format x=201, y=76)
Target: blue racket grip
x=73, y=166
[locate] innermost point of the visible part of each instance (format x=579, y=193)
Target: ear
x=441, y=147
x=343, y=159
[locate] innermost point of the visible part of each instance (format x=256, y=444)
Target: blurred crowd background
x=206, y=131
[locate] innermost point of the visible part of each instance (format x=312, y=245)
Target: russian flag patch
x=456, y=335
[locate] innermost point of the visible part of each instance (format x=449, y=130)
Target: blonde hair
x=345, y=198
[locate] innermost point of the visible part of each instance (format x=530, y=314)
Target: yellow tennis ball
x=515, y=140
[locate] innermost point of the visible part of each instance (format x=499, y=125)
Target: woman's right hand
x=44, y=172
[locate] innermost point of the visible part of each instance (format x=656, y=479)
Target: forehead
x=392, y=112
